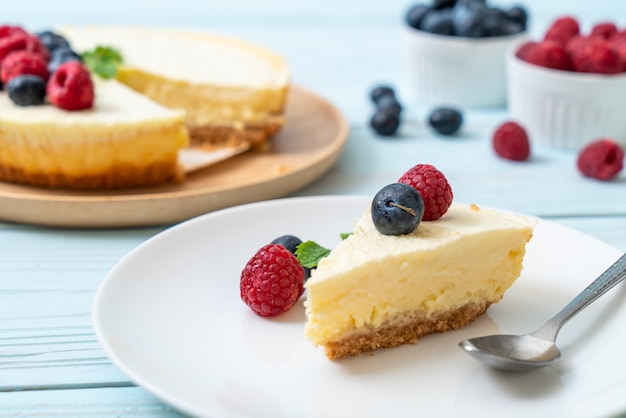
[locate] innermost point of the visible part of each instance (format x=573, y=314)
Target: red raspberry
x=8, y=30
x=525, y=49
x=595, y=55
x=70, y=87
x=434, y=188
x=22, y=41
x=23, y=62
x=510, y=141
x=548, y=54
x=606, y=30
x=602, y=159
x=620, y=49
x=562, y=30
x=271, y=281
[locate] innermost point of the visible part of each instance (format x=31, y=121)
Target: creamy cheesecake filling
x=208, y=103
x=232, y=92
x=125, y=140
x=470, y=256
x=405, y=328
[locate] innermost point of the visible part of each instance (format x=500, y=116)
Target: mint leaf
x=103, y=61
x=309, y=253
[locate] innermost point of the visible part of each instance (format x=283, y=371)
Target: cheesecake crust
x=404, y=329
x=118, y=177
x=256, y=135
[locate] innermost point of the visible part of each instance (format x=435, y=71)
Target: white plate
x=170, y=317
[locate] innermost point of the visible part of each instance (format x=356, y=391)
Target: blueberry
x=467, y=19
x=390, y=104
x=52, y=40
x=445, y=120
x=443, y=4
x=472, y=3
x=397, y=209
x=27, y=90
x=385, y=123
x=494, y=21
x=518, y=14
x=380, y=91
x=62, y=55
x=438, y=22
x=415, y=14
x=290, y=242
x=510, y=28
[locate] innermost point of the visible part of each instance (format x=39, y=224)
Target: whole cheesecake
x=125, y=140
x=375, y=291
x=232, y=92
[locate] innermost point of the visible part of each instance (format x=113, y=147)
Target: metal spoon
x=538, y=349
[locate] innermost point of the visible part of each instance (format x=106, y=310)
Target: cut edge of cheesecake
x=126, y=140
x=376, y=291
x=224, y=106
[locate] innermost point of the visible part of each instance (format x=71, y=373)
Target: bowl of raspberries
x=457, y=50
x=569, y=87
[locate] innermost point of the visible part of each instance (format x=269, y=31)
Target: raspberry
x=8, y=30
x=70, y=87
x=602, y=159
x=595, y=55
x=547, y=54
x=606, y=30
x=525, y=49
x=271, y=281
x=23, y=62
x=434, y=188
x=562, y=30
x=22, y=41
x=510, y=141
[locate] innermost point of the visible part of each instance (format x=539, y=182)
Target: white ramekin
x=452, y=70
x=565, y=109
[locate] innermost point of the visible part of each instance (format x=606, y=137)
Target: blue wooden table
x=50, y=361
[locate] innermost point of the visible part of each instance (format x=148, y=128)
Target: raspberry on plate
x=23, y=62
x=70, y=87
x=602, y=159
x=432, y=186
x=271, y=281
x=19, y=41
x=510, y=141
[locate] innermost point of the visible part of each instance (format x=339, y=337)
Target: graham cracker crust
x=118, y=177
x=406, y=329
x=210, y=137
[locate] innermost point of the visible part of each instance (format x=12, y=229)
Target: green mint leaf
x=345, y=235
x=103, y=61
x=309, y=253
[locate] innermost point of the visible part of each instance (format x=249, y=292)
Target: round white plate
x=170, y=317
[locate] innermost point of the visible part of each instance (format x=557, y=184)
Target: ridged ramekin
x=564, y=109
x=459, y=71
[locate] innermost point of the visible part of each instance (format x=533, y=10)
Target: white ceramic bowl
x=565, y=109
x=452, y=70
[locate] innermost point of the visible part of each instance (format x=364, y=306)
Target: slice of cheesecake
x=232, y=92
x=125, y=140
x=375, y=291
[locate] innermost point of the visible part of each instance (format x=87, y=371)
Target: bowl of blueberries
x=457, y=51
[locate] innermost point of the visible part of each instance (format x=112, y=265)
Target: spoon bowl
x=538, y=349
x=512, y=352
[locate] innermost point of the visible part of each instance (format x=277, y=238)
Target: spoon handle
x=612, y=276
